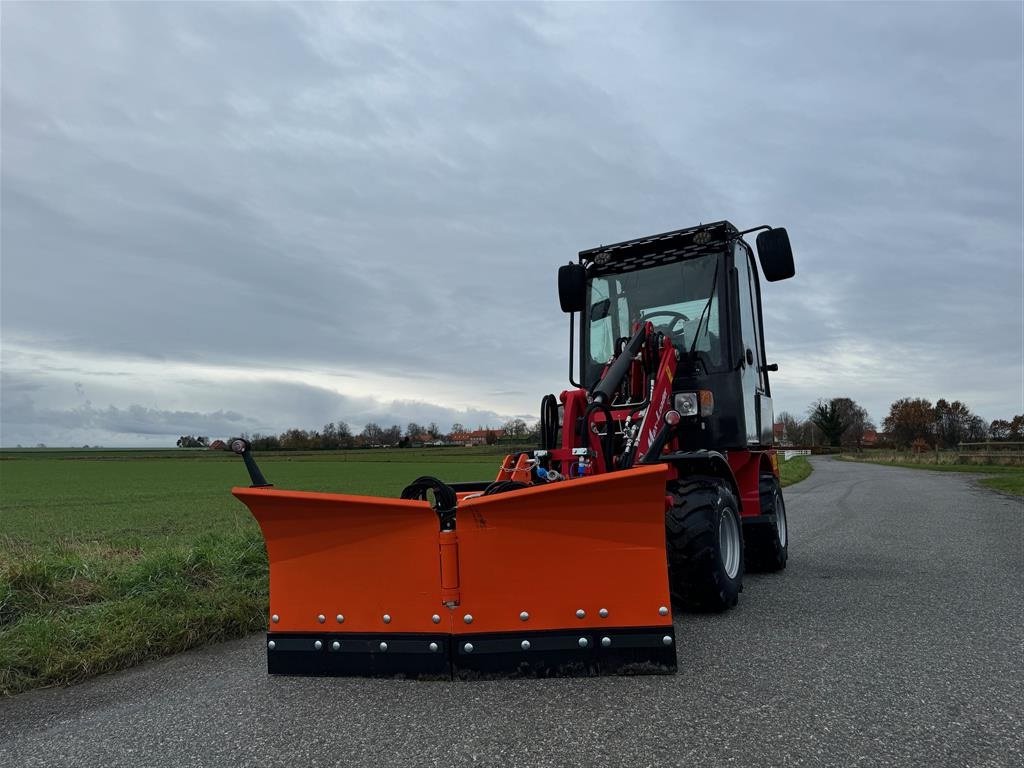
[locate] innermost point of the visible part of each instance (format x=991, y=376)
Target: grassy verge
x=1000, y=477
x=1012, y=484
x=77, y=609
x=793, y=471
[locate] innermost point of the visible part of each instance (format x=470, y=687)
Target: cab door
x=757, y=404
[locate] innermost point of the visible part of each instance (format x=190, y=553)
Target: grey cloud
x=389, y=188
x=269, y=407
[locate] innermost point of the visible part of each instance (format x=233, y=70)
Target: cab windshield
x=679, y=299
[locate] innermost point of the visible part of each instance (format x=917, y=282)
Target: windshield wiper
x=706, y=310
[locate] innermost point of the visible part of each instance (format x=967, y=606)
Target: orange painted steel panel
x=358, y=556
x=550, y=551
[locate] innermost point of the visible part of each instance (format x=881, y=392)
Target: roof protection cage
x=567, y=579
x=665, y=248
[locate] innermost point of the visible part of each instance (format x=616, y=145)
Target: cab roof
x=652, y=250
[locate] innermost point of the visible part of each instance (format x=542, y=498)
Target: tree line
x=911, y=423
x=839, y=422
x=339, y=435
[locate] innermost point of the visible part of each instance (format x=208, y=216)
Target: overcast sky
x=219, y=218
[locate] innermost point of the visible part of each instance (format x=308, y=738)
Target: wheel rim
x=729, y=542
x=780, y=519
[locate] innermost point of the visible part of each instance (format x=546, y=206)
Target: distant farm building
x=476, y=437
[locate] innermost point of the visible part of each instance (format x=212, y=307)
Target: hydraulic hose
x=504, y=486
x=549, y=422
x=445, y=499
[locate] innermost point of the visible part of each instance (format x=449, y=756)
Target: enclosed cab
x=701, y=288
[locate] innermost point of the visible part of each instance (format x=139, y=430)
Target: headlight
x=687, y=403
x=692, y=403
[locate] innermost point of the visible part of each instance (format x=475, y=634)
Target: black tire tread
x=697, y=579
x=764, y=552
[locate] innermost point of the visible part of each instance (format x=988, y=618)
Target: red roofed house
x=476, y=437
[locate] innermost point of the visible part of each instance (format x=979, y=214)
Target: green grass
x=793, y=471
x=111, y=558
x=1001, y=477
x=1011, y=483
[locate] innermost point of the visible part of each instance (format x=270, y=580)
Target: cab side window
x=749, y=322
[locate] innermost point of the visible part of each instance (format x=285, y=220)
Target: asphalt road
x=894, y=638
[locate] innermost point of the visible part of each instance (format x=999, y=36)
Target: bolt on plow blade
x=568, y=578
x=354, y=585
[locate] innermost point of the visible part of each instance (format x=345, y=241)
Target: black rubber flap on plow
x=559, y=653
x=416, y=656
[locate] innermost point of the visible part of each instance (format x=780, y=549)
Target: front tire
x=704, y=542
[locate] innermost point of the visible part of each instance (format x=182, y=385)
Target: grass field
x=108, y=558
x=1000, y=477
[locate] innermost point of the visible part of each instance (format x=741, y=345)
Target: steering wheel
x=677, y=317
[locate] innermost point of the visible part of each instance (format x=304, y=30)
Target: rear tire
x=768, y=544
x=704, y=542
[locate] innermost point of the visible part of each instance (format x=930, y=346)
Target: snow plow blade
x=567, y=578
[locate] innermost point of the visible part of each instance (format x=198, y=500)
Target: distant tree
x=457, y=428
x=329, y=437
x=344, y=434
x=977, y=429
x=514, y=430
x=491, y=437
x=372, y=434
x=829, y=420
x=434, y=431
x=392, y=435
x=858, y=419
x=334, y=436
x=188, y=441
x=841, y=420
x=790, y=428
x=298, y=440
x=796, y=431
x=414, y=430
x=264, y=442
x=1017, y=429
x=955, y=424
x=999, y=429
x=910, y=419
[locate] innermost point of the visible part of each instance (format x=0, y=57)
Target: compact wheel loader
x=655, y=485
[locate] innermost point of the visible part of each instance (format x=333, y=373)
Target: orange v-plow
x=567, y=578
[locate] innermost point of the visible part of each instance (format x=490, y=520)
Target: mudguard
x=565, y=578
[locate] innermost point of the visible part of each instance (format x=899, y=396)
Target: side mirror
x=775, y=254
x=572, y=287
